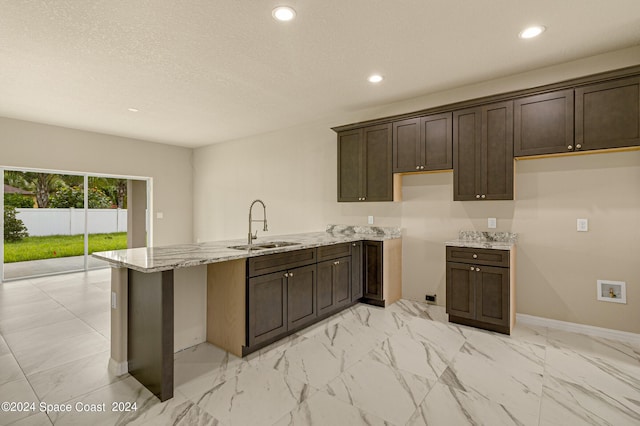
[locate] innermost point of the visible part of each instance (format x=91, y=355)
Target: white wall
x=294, y=172
x=42, y=222
x=34, y=145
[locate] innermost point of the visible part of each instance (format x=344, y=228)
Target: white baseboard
x=607, y=333
x=118, y=368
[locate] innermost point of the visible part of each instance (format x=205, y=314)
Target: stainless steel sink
x=264, y=246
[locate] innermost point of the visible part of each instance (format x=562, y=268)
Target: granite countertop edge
x=158, y=259
x=493, y=245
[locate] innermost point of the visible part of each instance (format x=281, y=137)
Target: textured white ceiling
x=206, y=71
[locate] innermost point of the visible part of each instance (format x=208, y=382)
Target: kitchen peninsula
x=254, y=296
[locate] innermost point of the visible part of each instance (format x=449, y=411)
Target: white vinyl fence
x=40, y=222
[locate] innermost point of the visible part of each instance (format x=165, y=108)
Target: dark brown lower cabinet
x=334, y=285
x=356, y=271
x=301, y=296
x=266, y=307
x=372, y=271
x=479, y=295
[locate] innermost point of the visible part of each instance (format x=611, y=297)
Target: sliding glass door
x=53, y=221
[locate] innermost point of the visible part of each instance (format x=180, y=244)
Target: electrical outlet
x=491, y=223
x=370, y=220
x=114, y=299
x=583, y=225
x=430, y=298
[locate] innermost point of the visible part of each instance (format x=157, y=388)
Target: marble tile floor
x=404, y=365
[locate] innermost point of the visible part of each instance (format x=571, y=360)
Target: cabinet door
x=407, y=148
x=543, y=124
x=342, y=281
x=467, y=144
x=492, y=295
x=461, y=296
x=608, y=114
x=378, y=173
x=436, y=132
x=267, y=307
x=496, y=163
x=350, y=165
x=301, y=296
x=326, y=295
x=372, y=259
x=356, y=271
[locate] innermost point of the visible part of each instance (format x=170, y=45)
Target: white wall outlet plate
x=159, y=215
x=583, y=225
x=492, y=222
x=114, y=300
x=370, y=220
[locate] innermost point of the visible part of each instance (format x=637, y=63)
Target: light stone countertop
x=488, y=240
x=156, y=259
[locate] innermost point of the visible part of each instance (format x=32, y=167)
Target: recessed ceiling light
x=375, y=78
x=283, y=13
x=532, y=32
x=133, y=109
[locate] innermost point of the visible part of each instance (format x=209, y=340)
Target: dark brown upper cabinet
x=423, y=143
x=608, y=115
x=365, y=164
x=483, y=152
x=543, y=124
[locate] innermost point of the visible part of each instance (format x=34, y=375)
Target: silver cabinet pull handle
x=286, y=275
x=475, y=256
x=291, y=273
x=484, y=196
x=337, y=262
x=472, y=268
x=478, y=196
x=417, y=167
x=578, y=146
x=477, y=269
x=570, y=147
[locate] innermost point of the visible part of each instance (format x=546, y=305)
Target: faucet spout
x=252, y=236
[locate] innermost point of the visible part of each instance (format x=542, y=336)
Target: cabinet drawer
x=261, y=265
x=478, y=256
x=334, y=251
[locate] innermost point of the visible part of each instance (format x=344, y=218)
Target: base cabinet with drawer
x=481, y=288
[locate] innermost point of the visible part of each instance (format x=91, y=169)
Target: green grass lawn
x=36, y=248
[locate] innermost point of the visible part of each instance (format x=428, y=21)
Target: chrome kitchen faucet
x=251, y=236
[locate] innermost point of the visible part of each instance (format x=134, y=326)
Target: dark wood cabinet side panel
x=406, y=145
x=467, y=133
x=356, y=271
x=437, y=137
x=350, y=165
x=608, y=114
x=497, y=164
x=372, y=259
x=150, y=329
x=543, y=124
x=378, y=177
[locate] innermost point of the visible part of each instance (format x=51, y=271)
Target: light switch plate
x=370, y=220
x=491, y=223
x=114, y=304
x=583, y=225
x=159, y=215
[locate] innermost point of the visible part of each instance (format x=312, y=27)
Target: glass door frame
x=86, y=176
